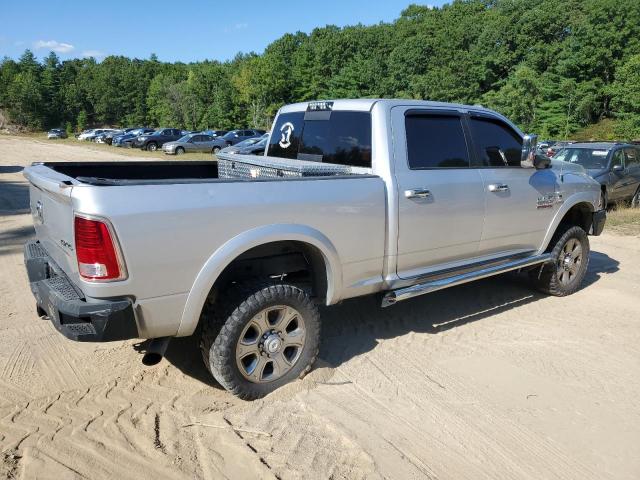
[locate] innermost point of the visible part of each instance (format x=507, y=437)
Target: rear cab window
x=340, y=137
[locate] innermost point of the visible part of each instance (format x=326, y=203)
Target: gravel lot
x=487, y=380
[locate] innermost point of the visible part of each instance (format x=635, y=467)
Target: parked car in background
x=56, y=133
x=86, y=134
x=91, y=135
x=556, y=147
x=155, y=140
x=126, y=139
x=235, y=136
x=616, y=166
x=252, y=146
x=191, y=143
x=107, y=137
x=102, y=138
x=215, y=133
x=543, y=145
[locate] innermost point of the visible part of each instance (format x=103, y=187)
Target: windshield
x=587, y=157
x=186, y=138
x=248, y=142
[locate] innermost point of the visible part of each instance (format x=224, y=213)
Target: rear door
x=441, y=201
x=206, y=143
x=520, y=202
x=195, y=144
x=632, y=170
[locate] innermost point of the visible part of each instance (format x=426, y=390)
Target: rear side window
x=339, y=137
x=497, y=144
x=436, y=141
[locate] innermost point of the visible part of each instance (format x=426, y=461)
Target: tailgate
x=52, y=212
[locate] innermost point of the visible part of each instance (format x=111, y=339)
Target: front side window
x=617, y=159
x=496, y=143
x=631, y=159
x=436, y=141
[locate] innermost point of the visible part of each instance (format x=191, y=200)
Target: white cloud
x=93, y=53
x=53, y=45
x=236, y=26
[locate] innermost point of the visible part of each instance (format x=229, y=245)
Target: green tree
x=82, y=121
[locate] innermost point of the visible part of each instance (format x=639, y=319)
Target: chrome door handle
x=417, y=193
x=498, y=187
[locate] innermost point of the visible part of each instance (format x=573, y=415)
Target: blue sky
x=174, y=30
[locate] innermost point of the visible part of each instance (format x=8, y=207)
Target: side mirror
x=529, y=148
x=618, y=168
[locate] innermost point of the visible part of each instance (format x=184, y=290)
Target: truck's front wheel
x=260, y=337
x=570, y=260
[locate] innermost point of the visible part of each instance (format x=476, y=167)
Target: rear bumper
x=70, y=312
x=599, y=219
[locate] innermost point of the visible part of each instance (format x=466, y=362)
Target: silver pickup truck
x=408, y=197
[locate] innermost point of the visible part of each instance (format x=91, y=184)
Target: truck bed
x=128, y=173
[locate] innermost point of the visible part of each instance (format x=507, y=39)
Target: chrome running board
x=394, y=296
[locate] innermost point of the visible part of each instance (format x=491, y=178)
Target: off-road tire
x=224, y=320
x=151, y=147
x=547, y=280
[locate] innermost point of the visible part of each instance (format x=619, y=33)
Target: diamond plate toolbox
x=249, y=167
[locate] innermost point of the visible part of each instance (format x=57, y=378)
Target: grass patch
x=624, y=220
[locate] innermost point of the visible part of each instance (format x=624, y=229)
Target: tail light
x=97, y=251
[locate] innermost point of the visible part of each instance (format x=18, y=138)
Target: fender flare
x=568, y=204
x=245, y=241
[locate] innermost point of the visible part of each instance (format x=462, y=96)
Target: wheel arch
x=322, y=254
x=579, y=211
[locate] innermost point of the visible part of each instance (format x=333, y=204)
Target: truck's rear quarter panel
x=168, y=232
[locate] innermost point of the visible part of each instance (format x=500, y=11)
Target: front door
x=520, y=202
x=632, y=171
x=618, y=185
x=440, y=197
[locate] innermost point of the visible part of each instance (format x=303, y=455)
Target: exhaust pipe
x=156, y=351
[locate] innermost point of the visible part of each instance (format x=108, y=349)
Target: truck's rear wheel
x=568, y=267
x=260, y=337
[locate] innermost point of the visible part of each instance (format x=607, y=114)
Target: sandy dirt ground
x=488, y=380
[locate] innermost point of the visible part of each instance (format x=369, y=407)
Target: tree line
x=552, y=66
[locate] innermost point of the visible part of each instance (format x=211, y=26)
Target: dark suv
x=155, y=140
x=615, y=165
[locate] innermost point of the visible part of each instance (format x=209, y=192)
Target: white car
x=86, y=134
